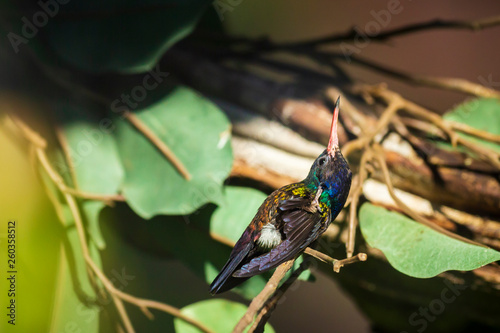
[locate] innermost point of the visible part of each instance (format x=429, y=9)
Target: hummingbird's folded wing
x=301, y=228
x=224, y=281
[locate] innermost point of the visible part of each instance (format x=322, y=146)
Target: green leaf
x=417, y=250
x=94, y=157
x=480, y=113
x=217, y=314
x=239, y=208
x=198, y=133
x=125, y=36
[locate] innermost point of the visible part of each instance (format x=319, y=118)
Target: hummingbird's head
x=330, y=170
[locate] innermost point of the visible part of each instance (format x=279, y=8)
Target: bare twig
x=474, y=131
x=337, y=264
x=446, y=83
x=263, y=296
x=356, y=193
x=352, y=34
x=160, y=145
x=473, y=25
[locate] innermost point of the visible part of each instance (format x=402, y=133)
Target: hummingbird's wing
x=301, y=226
x=224, y=281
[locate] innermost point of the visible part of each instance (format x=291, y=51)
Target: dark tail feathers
x=225, y=280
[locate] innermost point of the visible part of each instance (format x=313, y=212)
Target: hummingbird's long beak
x=334, y=138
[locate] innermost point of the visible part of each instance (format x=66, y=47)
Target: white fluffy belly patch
x=270, y=237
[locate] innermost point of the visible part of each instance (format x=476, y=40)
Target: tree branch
x=259, y=301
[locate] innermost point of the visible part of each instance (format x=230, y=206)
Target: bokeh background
x=321, y=306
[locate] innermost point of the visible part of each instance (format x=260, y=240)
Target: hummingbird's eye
x=322, y=161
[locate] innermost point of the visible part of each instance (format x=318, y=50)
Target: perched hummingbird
x=290, y=218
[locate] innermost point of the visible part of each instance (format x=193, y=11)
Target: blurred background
x=131, y=243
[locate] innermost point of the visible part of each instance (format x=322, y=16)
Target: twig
x=107, y=198
x=353, y=222
x=162, y=147
x=263, y=296
x=384, y=120
x=319, y=255
x=447, y=83
x=474, y=131
x=352, y=34
x=337, y=264
x=473, y=25
x=341, y=263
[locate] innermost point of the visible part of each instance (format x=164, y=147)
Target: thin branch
x=447, y=83
x=341, y=263
x=264, y=44
x=319, y=255
x=473, y=25
x=160, y=145
x=464, y=128
x=123, y=314
x=107, y=198
x=353, y=222
x=382, y=123
x=337, y=264
x=263, y=296
x=33, y=137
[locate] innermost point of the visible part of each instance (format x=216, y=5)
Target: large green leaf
x=415, y=249
x=218, y=314
x=481, y=113
x=198, y=134
x=94, y=156
x=126, y=36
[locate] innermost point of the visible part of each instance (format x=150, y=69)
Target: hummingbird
x=291, y=218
